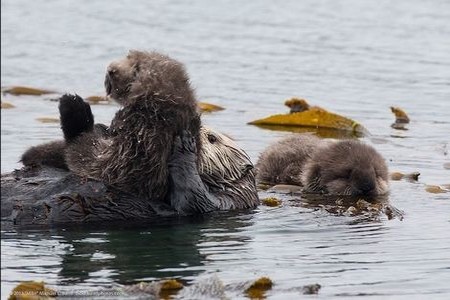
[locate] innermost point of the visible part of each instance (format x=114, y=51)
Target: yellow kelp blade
x=32, y=290
x=401, y=118
x=7, y=105
x=400, y=115
x=98, y=100
x=258, y=288
x=23, y=90
x=47, y=120
x=208, y=107
x=319, y=131
x=316, y=118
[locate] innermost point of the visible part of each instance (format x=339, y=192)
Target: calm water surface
x=356, y=58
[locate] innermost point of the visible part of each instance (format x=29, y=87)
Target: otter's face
x=221, y=159
x=119, y=78
x=227, y=171
x=347, y=168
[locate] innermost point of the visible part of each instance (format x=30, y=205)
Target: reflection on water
x=355, y=58
x=92, y=258
x=319, y=131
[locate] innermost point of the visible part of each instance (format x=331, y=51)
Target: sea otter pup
x=158, y=104
x=345, y=167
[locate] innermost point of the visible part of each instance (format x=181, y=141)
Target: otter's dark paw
x=184, y=154
x=76, y=116
x=185, y=143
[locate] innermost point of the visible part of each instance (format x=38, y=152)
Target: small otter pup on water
x=158, y=104
x=345, y=167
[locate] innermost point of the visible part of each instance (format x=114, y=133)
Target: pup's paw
x=75, y=115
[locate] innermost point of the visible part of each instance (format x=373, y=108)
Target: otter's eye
x=212, y=139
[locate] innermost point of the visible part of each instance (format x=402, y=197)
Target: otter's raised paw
x=184, y=154
x=185, y=143
x=76, y=116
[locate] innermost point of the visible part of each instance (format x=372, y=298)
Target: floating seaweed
x=371, y=208
x=23, y=90
x=304, y=116
x=208, y=107
x=48, y=120
x=271, y=201
x=435, y=189
x=414, y=176
x=169, y=288
x=258, y=288
x=401, y=118
x=7, y=105
x=32, y=290
x=98, y=100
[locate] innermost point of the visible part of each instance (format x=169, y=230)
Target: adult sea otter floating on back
x=154, y=159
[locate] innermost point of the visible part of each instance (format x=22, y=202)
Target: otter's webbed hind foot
x=188, y=194
x=76, y=116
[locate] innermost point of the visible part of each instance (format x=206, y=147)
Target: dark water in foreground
x=356, y=58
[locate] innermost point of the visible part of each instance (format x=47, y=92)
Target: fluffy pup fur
x=344, y=167
x=158, y=104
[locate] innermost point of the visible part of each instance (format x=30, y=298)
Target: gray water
x=356, y=58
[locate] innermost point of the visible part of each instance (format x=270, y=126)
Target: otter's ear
x=75, y=115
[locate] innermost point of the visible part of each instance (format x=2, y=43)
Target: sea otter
x=158, y=104
x=45, y=195
x=345, y=167
x=205, y=170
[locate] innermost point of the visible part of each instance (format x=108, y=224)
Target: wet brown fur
x=345, y=167
x=283, y=161
x=49, y=154
x=227, y=171
x=158, y=104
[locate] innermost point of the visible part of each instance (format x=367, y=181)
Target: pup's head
x=348, y=168
x=143, y=73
